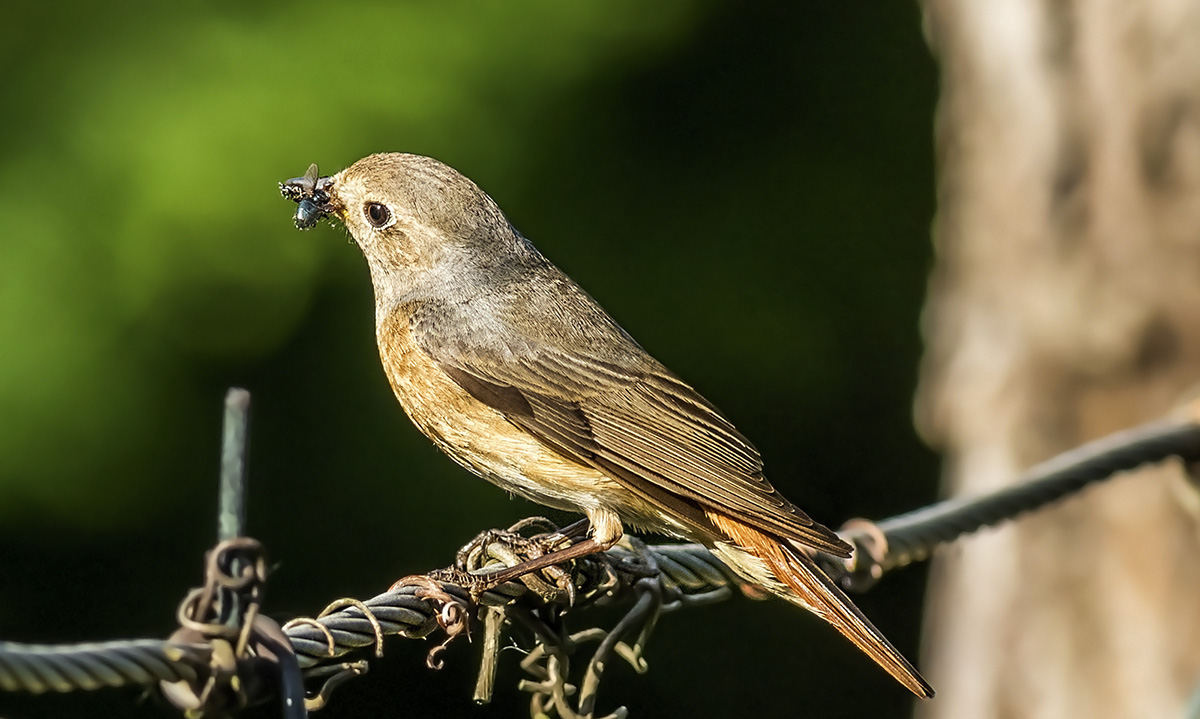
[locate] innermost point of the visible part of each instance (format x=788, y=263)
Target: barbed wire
x=223, y=637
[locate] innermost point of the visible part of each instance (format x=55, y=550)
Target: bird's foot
x=497, y=556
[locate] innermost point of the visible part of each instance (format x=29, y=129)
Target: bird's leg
x=575, y=551
x=548, y=541
x=574, y=530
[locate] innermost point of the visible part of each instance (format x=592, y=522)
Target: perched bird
x=516, y=373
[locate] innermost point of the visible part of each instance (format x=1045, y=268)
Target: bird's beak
x=313, y=197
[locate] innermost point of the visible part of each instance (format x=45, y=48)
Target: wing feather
x=628, y=416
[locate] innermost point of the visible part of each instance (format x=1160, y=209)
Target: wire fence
x=227, y=655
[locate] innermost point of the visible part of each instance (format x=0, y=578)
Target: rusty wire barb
x=223, y=614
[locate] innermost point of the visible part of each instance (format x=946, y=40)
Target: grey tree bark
x=1065, y=304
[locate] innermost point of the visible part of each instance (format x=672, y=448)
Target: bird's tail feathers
x=789, y=572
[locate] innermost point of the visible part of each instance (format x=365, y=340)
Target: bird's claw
x=497, y=548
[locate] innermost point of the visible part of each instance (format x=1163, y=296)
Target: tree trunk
x=1065, y=304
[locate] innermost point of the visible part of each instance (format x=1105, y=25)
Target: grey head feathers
x=443, y=238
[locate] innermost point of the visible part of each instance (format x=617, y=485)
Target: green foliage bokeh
x=142, y=147
x=747, y=188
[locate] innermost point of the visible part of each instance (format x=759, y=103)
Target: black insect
x=311, y=195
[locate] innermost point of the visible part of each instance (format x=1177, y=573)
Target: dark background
x=746, y=187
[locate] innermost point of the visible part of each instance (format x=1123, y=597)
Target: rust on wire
x=213, y=690
x=339, y=603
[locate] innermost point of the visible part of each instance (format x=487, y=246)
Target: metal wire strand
x=913, y=536
x=40, y=668
x=687, y=571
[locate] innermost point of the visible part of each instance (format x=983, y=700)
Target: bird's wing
x=624, y=413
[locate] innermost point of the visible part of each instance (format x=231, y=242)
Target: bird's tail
x=790, y=573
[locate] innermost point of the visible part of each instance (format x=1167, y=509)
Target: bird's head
x=427, y=231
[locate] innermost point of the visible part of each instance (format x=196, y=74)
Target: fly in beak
x=311, y=195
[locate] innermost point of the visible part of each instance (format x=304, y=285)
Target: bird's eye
x=377, y=214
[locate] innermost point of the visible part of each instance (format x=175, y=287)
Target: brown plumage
x=516, y=373
x=809, y=587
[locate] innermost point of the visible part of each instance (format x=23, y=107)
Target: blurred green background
x=747, y=187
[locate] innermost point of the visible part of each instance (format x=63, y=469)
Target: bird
x=516, y=373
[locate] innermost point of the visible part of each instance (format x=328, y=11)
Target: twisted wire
x=40, y=668
x=913, y=536
x=687, y=571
